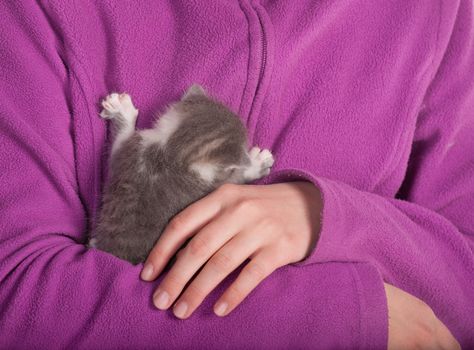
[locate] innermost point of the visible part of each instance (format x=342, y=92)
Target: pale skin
x=222, y=228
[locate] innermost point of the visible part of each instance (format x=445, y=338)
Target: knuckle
x=198, y=247
x=173, y=282
x=255, y=271
x=195, y=292
x=423, y=340
x=283, y=251
x=221, y=262
x=234, y=294
x=428, y=328
x=157, y=254
x=269, y=224
x=157, y=258
x=247, y=206
x=285, y=244
x=177, y=223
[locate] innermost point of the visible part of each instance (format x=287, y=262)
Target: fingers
x=201, y=247
x=226, y=260
x=260, y=267
x=179, y=229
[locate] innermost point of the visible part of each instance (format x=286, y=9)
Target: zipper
x=262, y=66
x=263, y=63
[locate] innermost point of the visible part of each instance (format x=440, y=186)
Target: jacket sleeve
x=54, y=293
x=422, y=240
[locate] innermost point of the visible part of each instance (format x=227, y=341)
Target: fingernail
x=147, y=272
x=220, y=309
x=180, y=309
x=161, y=299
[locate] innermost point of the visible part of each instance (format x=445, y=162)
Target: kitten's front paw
x=262, y=160
x=260, y=164
x=119, y=105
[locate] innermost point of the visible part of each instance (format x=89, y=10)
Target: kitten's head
x=207, y=135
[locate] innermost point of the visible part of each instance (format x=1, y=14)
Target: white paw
x=266, y=160
x=254, y=152
x=116, y=105
x=262, y=159
x=261, y=163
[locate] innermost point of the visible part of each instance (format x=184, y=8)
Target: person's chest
x=330, y=87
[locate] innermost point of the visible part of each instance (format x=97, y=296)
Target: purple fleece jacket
x=372, y=101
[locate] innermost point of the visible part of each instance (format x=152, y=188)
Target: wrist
x=312, y=208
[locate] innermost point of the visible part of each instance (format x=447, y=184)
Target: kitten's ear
x=194, y=90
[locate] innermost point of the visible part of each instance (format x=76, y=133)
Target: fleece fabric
x=371, y=101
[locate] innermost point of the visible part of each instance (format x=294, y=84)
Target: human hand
x=413, y=325
x=273, y=225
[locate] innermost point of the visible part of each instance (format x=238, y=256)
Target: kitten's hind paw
x=119, y=106
x=111, y=106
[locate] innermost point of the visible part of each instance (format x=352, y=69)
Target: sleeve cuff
x=331, y=218
x=373, y=312
x=373, y=308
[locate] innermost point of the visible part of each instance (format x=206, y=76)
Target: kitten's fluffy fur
x=197, y=145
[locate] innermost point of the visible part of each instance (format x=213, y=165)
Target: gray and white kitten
x=197, y=145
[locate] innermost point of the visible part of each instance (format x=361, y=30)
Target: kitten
x=197, y=145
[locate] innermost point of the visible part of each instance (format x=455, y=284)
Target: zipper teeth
x=264, y=49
